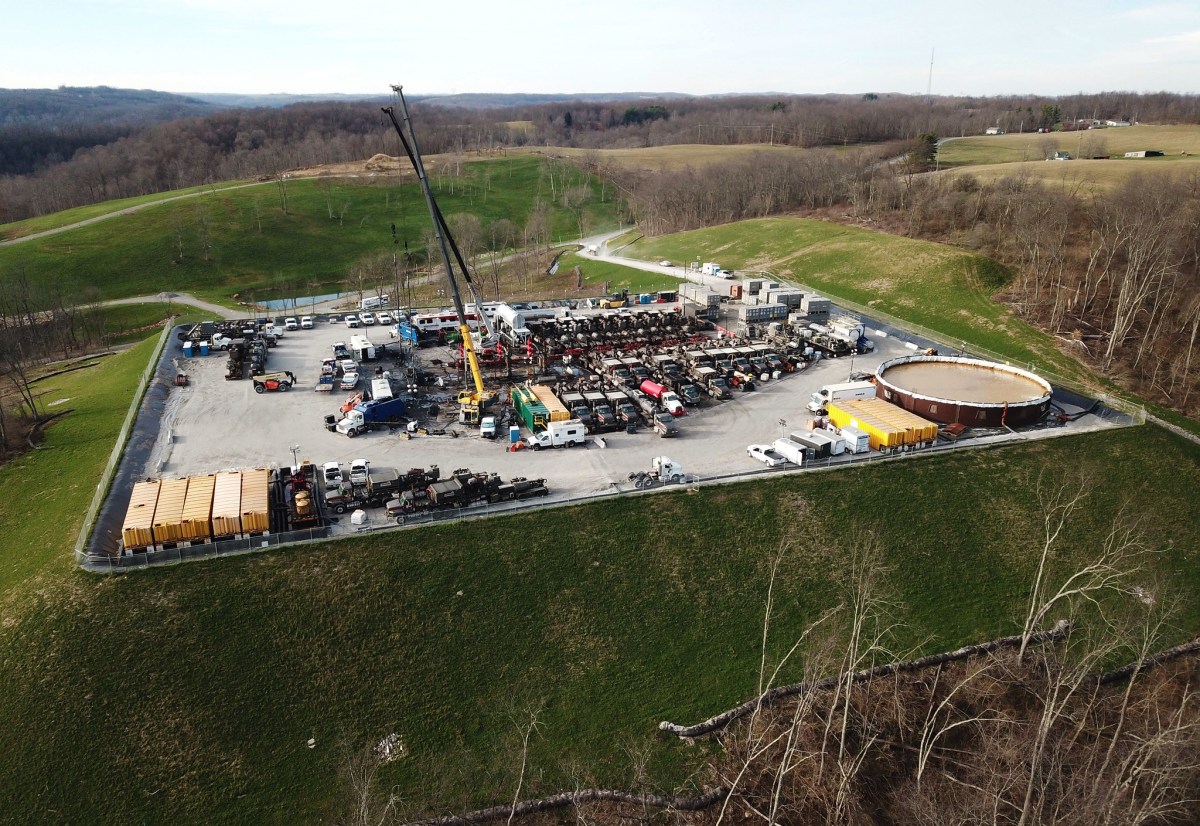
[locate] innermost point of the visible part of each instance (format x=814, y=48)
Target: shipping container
x=168, y=513
x=227, y=504
x=197, y=508
x=530, y=412
x=557, y=410
x=256, y=501
x=136, y=532
x=887, y=426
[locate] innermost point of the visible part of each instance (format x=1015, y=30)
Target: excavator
x=471, y=402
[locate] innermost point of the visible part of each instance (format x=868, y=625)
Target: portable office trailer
x=197, y=508
x=815, y=307
x=256, y=501
x=168, y=513
x=227, y=505
x=137, y=531
x=361, y=348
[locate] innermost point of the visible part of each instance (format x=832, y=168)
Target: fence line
x=175, y=556
x=114, y=458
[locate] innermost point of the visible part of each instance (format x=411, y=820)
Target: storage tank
x=197, y=508
x=963, y=390
x=256, y=501
x=136, y=532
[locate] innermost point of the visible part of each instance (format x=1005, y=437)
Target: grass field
x=187, y=695
x=678, y=156
x=939, y=287
x=240, y=240
x=1178, y=142
x=597, y=272
x=1085, y=177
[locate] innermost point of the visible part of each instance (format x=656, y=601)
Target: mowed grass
x=933, y=285
x=189, y=695
x=598, y=272
x=1175, y=141
x=240, y=241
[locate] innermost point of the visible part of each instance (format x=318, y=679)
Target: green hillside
x=933, y=285
x=240, y=240
x=188, y=695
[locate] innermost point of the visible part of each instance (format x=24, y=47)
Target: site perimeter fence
x=1135, y=411
x=114, y=458
x=237, y=547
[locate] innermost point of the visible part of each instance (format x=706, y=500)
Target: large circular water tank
x=957, y=389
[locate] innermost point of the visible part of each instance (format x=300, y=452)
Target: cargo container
x=530, y=412
x=168, y=513
x=794, y=452
x=815, y=307
x=837, y=445
x=887, y=427
x=557, y=410
x=821, y=449
x=137, y=531
x=760, y=313
x=227, y=505
x=256, y=501
x=197, y=508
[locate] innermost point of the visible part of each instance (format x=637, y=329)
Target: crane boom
x=469, y=402
x=440, y=221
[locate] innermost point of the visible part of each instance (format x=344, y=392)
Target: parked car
x=383, y=318
x=359, y=470
x=766, y=455
x=333, y=475
x=367, y=319
x=351, y=320
x=306, y=322
x=291, y=323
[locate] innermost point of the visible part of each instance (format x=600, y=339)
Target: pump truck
x=471, y=402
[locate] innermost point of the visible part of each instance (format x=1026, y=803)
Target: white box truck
x=793, y=452
x=840, y=392
x=381, y=388
x=559, y=434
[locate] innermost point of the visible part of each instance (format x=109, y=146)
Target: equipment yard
x=214, y=424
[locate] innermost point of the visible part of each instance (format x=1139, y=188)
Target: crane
x=471, y=402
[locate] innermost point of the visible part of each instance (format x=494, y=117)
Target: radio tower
x=929, y=93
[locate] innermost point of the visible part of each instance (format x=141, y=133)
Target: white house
x=993, y=130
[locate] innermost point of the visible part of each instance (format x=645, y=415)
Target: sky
x=569, y=46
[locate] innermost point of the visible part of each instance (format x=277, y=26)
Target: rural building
x=1144, y=153
x=993, y=130
x=1060, y=156
x=1116, y=123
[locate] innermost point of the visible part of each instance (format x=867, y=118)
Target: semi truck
x=370, y=415
x=840, y=392
x=662, y=469
x=667, y=398
x=559, y=434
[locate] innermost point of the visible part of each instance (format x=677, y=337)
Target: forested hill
x=42, y=127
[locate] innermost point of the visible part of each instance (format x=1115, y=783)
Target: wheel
x=352, y=432
x=258, y=388
x=676, y=479
x=284, y=386
x=339, y=508
x=537, y=446
x=399, y=520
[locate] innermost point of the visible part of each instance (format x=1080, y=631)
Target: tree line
x=136, y=159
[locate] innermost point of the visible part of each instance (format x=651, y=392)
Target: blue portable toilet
x=204, y=348
x=645, y=298
x=514, y=434
x=187, y=349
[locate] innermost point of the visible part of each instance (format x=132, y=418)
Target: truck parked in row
x=840, y=392
x=667, y=398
